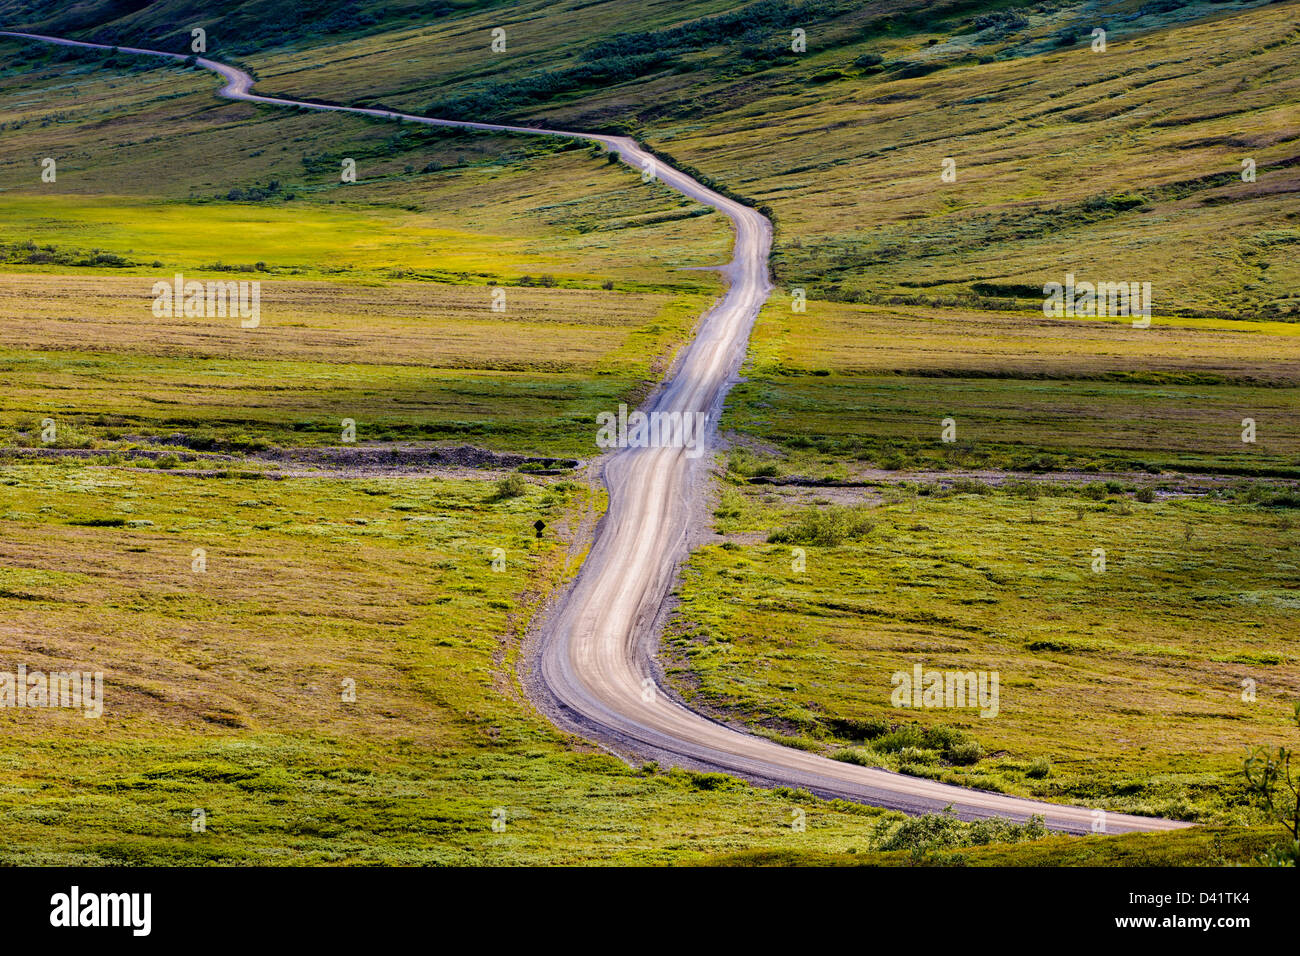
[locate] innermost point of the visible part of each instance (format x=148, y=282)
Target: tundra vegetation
x=1121, y=689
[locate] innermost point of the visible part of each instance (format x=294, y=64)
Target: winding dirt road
x=595, y=651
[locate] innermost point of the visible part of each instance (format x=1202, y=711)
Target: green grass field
x=1132, y=156
x=1128, y=681
x=1123, y=165
x=412, y=361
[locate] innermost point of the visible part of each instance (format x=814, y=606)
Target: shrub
x=1039, y=769
x=1023, y=489
x=909, y=735
x=1002, y=20
x=957, y=746
x=729, y=506
x=965, y=754
x=1286, y=499
x=944, y=831
x=1145, y=495
x=826, y=526
x=914, y=768
x=66, y=435
x=745, y=464
x=917, y=755
x=710, y=781
x=915, y=744
x=512, y=486
x=867, y=729
x=853, y=755
x=942, y=738
x=827, y=75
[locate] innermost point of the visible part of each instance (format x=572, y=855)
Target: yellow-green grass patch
x=404, y=360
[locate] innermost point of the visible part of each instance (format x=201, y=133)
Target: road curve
x=596, y=648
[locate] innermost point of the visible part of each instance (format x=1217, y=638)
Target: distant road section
x=593, y=669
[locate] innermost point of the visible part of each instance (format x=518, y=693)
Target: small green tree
x=1275, y=787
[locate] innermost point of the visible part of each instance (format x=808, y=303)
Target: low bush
x=938, y=831
x=827, y=527
x=511, y=486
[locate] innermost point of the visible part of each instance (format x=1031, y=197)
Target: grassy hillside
x=1134, y=153
x=377, y=298
x=241, y=24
